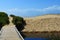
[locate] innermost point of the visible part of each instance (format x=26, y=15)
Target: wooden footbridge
x=10, y=33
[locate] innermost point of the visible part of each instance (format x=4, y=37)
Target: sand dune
x=43, y=23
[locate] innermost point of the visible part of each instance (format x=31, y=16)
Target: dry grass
x=43, y=23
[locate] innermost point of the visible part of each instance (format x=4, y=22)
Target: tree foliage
x=12, y=15
x=4, y=19
x=18, y=22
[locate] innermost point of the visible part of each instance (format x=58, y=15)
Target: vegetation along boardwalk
x=10, y=32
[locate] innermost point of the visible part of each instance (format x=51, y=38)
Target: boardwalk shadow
x=20, y=27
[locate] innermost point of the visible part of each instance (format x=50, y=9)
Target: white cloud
x=24, y=11
x=54, y=7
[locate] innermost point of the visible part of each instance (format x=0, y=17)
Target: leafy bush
x=3, y=19
x=17, y=19
x=12, y=15
x=18, y=22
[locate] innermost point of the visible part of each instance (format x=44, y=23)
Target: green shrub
x=18, y=22
x=12, y=15
x=4, y=19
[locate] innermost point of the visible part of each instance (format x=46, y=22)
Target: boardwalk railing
x=19, y=34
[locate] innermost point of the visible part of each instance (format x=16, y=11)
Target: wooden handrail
x=19, y=34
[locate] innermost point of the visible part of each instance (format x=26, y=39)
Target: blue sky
x=29, y=8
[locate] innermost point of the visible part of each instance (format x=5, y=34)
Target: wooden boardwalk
x=10, y=33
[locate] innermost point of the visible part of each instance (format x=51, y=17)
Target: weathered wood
x=10, y=33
